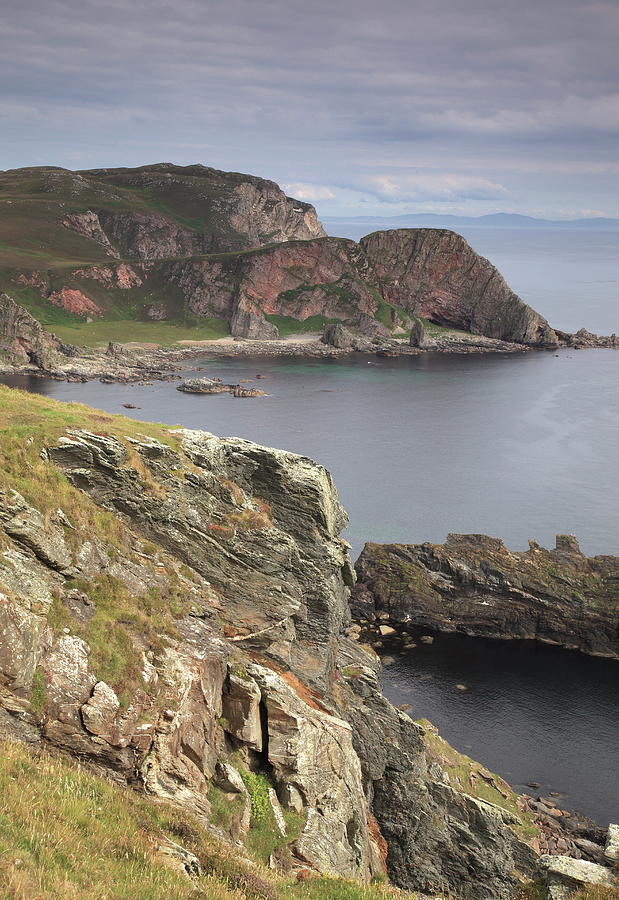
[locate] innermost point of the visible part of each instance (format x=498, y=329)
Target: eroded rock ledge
x=475, y=585
x=174, y=612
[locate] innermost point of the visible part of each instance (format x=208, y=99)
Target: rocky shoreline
x=475, y=585
x=127, y=362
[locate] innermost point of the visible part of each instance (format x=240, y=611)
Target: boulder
x=611, y=851
x=564, y=875
x=336, y=335
x=418, y=336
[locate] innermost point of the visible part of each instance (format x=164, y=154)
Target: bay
x=517, y=446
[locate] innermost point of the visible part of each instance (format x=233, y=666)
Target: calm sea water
x=518, y=446
x=533, y=713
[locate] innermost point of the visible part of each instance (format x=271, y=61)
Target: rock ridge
x=475, y=585
x=175, y=610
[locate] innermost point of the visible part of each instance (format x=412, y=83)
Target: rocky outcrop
x=418, y=336
x=180, y=624
x=564, y=876
x=475, y=585
x=403, y=275
x=217, y=386
x=583, y=340
x=24, y=340
x=335, y=335
x=204, y=211
x=434, y=273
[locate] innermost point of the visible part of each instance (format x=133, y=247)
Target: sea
x=519, y=446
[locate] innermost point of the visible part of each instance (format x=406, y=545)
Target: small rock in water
x=388, y=660
x=533, y=784
x=426, y=639
x=462, y=687
x=131, y=406
x=386, y=630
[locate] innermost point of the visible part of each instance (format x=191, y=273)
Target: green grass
x=470, y=777
x=163, y=333
x=537, y=890
x=264, y=837
x=67, y=834
x=286, y=325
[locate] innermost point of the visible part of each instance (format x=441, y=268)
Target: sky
x=360, y=107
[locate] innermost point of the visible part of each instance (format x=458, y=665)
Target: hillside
x=217, y=253
x=175, y=614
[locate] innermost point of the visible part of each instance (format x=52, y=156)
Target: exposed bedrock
x=436, y=274
x=23, y=339
x=400, y=274
x=475, y=585
x=223, y=211
x=234, y=549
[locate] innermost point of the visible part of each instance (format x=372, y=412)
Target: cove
x=518, y=446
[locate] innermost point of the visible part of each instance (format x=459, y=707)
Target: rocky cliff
x=436, y=274
x=192, y=244
x=23, y=340
x=174, y=611
x=475, y=585
x=324, y=280
x=149, y=212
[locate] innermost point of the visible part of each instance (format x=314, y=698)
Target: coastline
x=138, y=362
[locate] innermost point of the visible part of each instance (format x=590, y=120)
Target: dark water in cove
x=533, y=713
x=518, y=446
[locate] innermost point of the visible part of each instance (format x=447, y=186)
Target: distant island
x=492, y=220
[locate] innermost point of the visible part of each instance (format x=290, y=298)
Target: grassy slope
x=66, y=834
x=166, y=334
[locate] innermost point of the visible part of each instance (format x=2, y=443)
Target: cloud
x=321, y=94
x=413, y=188
x=309, y=192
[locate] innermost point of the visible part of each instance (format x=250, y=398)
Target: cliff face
x=174, y=609
x=475, y=585
x=151, y=212
x=434, y=273
x=24, y=340
x=169, y=243
x=399, y=275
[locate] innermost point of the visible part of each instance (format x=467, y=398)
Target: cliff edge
x=174, y=609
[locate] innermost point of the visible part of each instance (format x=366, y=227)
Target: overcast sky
x=361, y=107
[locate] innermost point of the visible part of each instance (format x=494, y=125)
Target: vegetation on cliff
x=68, y=833
x=174, y=609
x=213, y=252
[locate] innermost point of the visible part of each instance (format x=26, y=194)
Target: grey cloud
x=310, y=92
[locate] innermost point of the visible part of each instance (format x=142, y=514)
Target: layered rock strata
x=475, y=585
x=23, y=340
x=174, y=612
x=436, y=274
